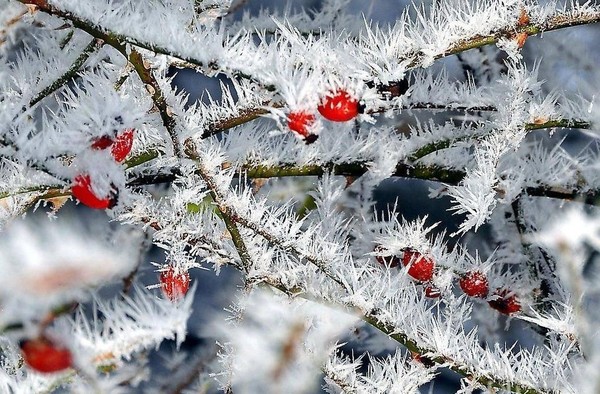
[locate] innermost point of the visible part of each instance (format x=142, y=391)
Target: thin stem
x=155, y=91
x=533, y=268
x=244, y=116
x=230, y=212
x=420, y=171
x=556, y=22
x=446, y=143
x=48, y=191
x=449, y=107
x=90, y=48
x=143, y=157
x=67, y=39
x=232, y=228
x=559, y=123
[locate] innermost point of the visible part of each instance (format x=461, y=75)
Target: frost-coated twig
x=551, y=124
x=94, y=45
x=553, y=22
x=236, y=217
x=414, y=171
x=396, y=334
x=155, y=91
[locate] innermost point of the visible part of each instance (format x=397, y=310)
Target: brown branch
x=152, y=86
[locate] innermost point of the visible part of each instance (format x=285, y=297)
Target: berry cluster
x=82, y=184
x=473, y=283
x=339, y=106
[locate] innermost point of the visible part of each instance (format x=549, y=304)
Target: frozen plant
x=280, y=178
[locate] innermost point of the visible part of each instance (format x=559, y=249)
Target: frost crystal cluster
x=314, y=171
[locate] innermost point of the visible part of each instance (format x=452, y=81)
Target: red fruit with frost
x=474, y=284
x=419, y=267
x=504, y=302
x=388, y=261
x=102, y=143
x=174, y=284
x=339, y=106
x=82, y=191
x=119, y=147
x=432, y=292
x=45, y=356
x=122, y=145
x=300, y=123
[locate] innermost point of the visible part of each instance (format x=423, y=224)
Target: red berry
x=45, y=356
x=339, y=107
x=432, y=292
x=102, y=142
x=122, y=146
x=300, y=122
x=388, y=261
x=82, y=191
x=420, y=267
x=174, y=284
x=474, y=284
x=505, y=302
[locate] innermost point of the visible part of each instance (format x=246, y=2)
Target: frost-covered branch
x=118, y=35
x=146, y=76
x=70, y=73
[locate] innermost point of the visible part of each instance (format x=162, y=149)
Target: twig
x=550, y=124
x=94, y=45
x=410, y=344
x=558, y=21
x=155, y=91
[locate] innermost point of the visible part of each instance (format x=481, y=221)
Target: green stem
x=48, y=191
x=70, y=73
x=556, y=22
x=142, y=158
x=559, y=123
x=446, y=143
x=420, y=171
